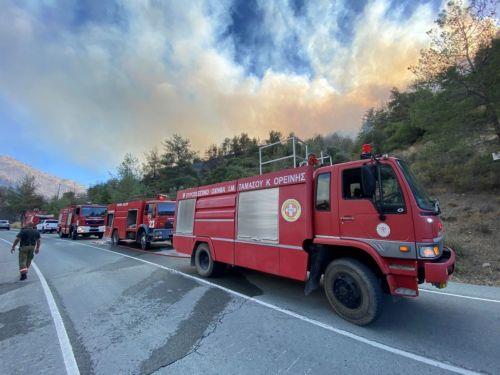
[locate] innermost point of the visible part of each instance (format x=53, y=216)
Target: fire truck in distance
x=142, y=221
x=364, y=227
x=82, y=220
x=35, y=216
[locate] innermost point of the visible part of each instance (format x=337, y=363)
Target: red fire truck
x=143, y=221
x=35, y=216
x=366, y=226
x=82, y=220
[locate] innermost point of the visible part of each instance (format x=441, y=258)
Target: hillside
x=12, y=170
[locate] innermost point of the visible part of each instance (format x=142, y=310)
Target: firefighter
x=29, y=239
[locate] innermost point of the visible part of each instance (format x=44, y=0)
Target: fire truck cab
x=35, y=217
x=142, y=221
x=363, y=227
x=82, y=220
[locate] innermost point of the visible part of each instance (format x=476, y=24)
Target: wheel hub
x=346, y=291
x=204, y=260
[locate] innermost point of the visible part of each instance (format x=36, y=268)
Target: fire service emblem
x=291, y=210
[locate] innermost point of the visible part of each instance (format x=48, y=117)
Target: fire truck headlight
x=428, y=251
x=80, y=229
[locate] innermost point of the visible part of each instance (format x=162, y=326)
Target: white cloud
x=106, y=89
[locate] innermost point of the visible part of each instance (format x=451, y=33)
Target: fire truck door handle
x=347, y=218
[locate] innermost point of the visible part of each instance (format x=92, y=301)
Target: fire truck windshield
x=166, y=208
x=421, y=196
x=93, y=211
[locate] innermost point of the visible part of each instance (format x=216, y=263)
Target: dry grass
x=473, y=230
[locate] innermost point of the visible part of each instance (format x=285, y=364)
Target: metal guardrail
x=298, y=159
x=295, y=155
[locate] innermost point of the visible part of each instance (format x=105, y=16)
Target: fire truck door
x=359, y=219
x=148, y=215
x=109, y=224
x=325, y=211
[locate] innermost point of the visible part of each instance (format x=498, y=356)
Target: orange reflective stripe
x=23, y=270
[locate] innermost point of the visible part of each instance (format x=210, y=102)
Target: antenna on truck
x=299, y=159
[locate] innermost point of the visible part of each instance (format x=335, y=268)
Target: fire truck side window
x=149, y=209
x=351, y=184
x=323, y=192
x=77, y=211
x=392, y=196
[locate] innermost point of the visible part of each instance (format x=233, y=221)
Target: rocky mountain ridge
x=13, y=170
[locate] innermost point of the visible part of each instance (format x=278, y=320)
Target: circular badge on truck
x=383, y=230
x=291, y=210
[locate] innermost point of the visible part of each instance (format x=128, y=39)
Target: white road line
x=378, y=345
x=460, y=296
x=62, y=335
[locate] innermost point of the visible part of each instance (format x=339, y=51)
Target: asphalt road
x=109, y=310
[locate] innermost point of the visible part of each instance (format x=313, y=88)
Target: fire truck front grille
x=94, y=222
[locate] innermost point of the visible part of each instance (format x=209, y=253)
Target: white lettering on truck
x=248, y=185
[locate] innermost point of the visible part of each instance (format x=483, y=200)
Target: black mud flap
x=318, y=256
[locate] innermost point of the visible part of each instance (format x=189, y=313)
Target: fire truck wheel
x=353, y=290
x=74, y=234
x=143, y=240
x=205, y=265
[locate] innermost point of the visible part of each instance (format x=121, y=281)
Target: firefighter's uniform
x=26, y=254
x=28, y=238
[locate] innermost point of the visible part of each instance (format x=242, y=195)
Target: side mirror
x=368, y=180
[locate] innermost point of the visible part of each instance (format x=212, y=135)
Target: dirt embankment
x=472, y=228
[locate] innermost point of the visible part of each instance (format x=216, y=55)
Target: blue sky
x=84, y=82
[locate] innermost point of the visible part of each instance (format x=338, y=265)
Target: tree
x=151, y=171
x=23, y=197
x=212, y=152
x=153, y=164
x=100, y=193
x=127, y=184
x=177, y=151
x=461, y=44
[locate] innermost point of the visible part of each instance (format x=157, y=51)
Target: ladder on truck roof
x=296, y=156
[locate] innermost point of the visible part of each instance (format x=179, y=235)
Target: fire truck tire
x=115, y=238
x=353, y=290
x=205, y=265
x=74, y=234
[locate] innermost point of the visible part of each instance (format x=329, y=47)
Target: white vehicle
x=4, y=224
x=47, y=226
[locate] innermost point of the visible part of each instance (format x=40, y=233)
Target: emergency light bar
x=366, y=151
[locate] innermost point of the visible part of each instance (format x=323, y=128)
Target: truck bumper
x=82, y=229
x=438, y=271
x=158, y=235
x=404, y=282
